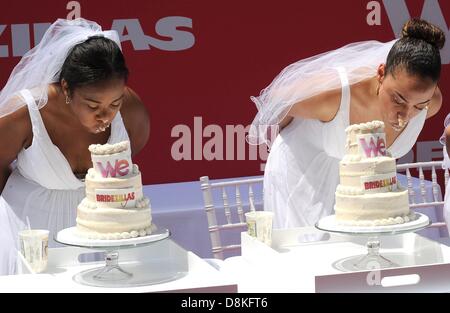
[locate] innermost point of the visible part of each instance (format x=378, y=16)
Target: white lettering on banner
x=128, y=29
x=167, y=27
x=373, y=278
x=181, y=148
x=429, y=151
x=398, y=14
x=20, y=31
x=237, y=131
x=135, y=33
x=213, y=149
x=75, y=6
x=221, y=145
x=426, y=151
x=374, y=16
x=3, y=48
x=39, y=31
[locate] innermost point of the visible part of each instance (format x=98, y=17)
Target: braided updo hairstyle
x=417, y=51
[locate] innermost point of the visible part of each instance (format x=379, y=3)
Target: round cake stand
x=112, y=274
x=373, y=259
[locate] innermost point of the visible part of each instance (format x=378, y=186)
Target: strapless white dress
x=42, y=186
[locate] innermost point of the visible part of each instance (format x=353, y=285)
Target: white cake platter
x=330, y=224
x=70, y=237
x=113, y=274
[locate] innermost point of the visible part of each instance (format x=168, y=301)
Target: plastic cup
x=259, y=225
x=34, y=248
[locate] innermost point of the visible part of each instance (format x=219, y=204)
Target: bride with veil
x=313, y=101
x=66, y=93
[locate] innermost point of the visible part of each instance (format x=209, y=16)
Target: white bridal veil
x=309, y=77
x=40, y=66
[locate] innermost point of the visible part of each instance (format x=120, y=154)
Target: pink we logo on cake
x=112, y=160
x=372, y=145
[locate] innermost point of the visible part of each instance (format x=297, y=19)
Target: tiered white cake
x=114, y=207
x=369, y=193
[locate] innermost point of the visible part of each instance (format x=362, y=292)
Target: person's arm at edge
x=136, y=119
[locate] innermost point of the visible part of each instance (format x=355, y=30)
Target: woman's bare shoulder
x=323, y=106
x=15, y=133
x=18, y=122
x=136, y=118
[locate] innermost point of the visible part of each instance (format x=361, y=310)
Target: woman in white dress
x=315, y=99
x=66, y=93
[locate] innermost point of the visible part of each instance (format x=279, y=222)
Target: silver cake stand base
x=130, y=274
x=373, y=259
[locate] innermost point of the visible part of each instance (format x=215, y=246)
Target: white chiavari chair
x=419, y=197
x=234, y=197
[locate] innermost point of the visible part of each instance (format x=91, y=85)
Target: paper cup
x=34, y=248
x=259, y=225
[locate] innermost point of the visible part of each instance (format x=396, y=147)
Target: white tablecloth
x=165, y=266
x=293, y=266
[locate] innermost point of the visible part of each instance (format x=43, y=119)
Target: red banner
x=195, y=65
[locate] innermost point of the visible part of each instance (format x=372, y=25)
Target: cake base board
x=330, y=224
x=69, y=237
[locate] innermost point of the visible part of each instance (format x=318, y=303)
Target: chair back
x=231, y=199
x=425, y=193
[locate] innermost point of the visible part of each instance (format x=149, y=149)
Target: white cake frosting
x=107, y=149
x=369, y=193
x=114, y=206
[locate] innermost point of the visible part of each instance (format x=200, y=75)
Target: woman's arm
x=322, y=107
x=136, y=119
x=15, y=134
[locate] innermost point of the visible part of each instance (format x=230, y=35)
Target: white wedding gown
x=302, y=170
x=42, y=186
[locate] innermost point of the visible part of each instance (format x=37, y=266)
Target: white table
x=64, y=264
x=292, y=266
